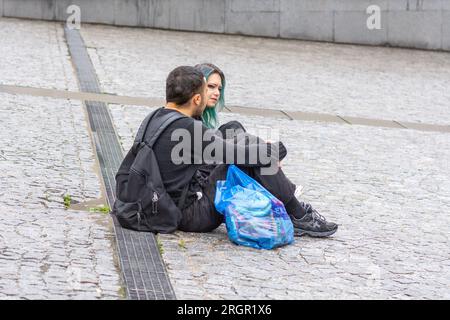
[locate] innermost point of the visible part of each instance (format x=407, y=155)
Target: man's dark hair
x=183, y=83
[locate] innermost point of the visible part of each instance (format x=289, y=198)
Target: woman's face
x=214, y=89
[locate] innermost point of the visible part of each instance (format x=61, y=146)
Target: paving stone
x=387, y=232
x=383, y=186
x=345, y=80
x=42, y=242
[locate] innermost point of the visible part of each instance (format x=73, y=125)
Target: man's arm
x=248, y=150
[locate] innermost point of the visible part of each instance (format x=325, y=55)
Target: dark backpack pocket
x=129, y=214
x=146, y=206
x=161, y=211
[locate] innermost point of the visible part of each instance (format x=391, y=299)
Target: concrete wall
x=421, y=24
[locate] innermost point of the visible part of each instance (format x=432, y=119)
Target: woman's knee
x=234, y=126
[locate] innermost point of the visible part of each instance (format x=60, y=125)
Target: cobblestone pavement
x=388, y=189
x=46, y=251
x=371, y=82
x=34, y=53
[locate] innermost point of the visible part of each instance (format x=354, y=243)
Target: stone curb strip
x=271, y=113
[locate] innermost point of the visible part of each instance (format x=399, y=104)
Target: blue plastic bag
x=253, y=216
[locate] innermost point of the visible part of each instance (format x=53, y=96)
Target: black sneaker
x=312, y=224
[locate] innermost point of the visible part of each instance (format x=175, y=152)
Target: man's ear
x=197, y=98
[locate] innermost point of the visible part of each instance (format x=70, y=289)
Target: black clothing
x=201, y=215
x=295, y=208
x=313, y=224
x=178, y=176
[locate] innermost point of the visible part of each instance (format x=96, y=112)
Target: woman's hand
x=278, y=162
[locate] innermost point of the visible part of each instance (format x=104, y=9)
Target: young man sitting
x=190, y=173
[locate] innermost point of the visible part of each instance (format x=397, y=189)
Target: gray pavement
x=388, y=189
x=34, y=53
x=349, y=80
x=46, y=251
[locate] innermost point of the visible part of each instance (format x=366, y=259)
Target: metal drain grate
x=143, y=269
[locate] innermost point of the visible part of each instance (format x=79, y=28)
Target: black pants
x=202, y=216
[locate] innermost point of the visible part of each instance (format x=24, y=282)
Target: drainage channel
x=142, y=267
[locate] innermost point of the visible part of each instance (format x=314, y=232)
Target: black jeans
x=202, y=216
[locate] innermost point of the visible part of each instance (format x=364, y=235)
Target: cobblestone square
x=387, y=188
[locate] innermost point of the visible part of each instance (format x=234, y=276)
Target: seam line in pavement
x=287, y=115
x=401, y=125
x=96, y=96
x=342, y=118
x=134, y=248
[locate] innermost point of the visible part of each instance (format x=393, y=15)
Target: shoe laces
x=314, y=214
x=317, y=216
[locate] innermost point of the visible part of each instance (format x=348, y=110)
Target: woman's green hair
x=210, y=116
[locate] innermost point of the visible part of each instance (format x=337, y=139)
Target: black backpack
x=142, y=202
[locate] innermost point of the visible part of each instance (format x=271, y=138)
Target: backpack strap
x=164, y=122
x=154, y=129
x=142, y=131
